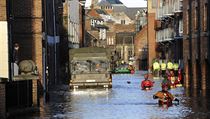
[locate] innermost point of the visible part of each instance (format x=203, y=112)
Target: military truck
x=90, y=67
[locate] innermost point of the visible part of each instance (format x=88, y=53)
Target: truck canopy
x=89, y=53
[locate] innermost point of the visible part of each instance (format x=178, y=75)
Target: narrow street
x=48, y=47
x=123, y=101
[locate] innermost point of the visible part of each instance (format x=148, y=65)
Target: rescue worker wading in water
x=175, y=68
x=172, y=79
x=165, y=97
x=163, y=68
x=146, y=84
x=156, y=69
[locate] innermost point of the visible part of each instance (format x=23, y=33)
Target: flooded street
x=123, y=101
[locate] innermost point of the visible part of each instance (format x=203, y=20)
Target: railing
x=159, y=36
x=158, y=39
x=168, y=8
x=168, y=34
x=181, y=28
x=178, y=5
x=165, y=35
x=165, y=9
x=159, y=12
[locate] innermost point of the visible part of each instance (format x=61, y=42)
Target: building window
x=180, y=27
x=92, y=23
x=130, y=53
x=138, y=25
x=118, y=53
x=187, y=22
x=102, y=34
x=110, y=41
x=205, y=12
x=108, y=7
x=113, y=40
x=196, y=18
x=122, y=21
x=154, y=4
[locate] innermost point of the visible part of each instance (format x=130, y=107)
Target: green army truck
x=90, y=67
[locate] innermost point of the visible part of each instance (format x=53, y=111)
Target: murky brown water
x=123, y=101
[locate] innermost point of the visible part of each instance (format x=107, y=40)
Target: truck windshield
x=96, y=66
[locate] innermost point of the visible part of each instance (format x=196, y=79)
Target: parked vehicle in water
x=123, y=68
x=90, y=67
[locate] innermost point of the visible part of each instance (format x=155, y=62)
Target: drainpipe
x=199, y=44
x=190, y=38
x=44, y=55
x=55, y=40
x=208, y=29
x=199, y=29
x=83, y=26
x=10, y=42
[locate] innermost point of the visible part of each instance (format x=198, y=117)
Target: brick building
x=141, y=49
x=119, y=19
x=125, y=45
x=27, y=29
x=151, y=32
x=140, y=40
x=196, y=48
x=21, y=22
x=169, y=29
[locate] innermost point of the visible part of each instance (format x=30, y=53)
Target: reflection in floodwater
x=123, y=101
x=199, y=101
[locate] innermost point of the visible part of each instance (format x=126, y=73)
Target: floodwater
x=122, y=101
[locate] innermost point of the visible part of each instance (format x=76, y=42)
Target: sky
x=134, y=3
x=127, y=3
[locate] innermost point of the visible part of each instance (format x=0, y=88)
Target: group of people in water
x=169, y=81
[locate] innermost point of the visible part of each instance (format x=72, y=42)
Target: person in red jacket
x=146, y=84
x=172, y=79
x=179, y=78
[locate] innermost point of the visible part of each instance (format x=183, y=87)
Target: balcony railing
x=166, y=34
x=178, y=5
x=159, y=14
x=181, y=28
x=168, y=8
x=179, y=32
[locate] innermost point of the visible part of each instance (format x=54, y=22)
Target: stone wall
x=3, y=13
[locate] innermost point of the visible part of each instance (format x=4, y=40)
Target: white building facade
x=73, y=23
